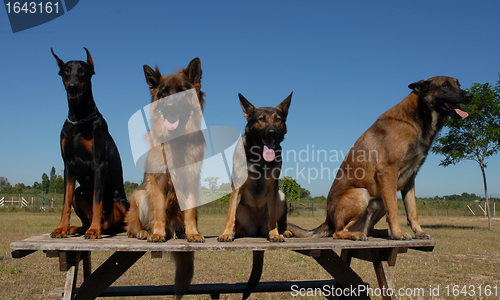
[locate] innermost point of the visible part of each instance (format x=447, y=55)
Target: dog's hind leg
x=350, y=214
x=282, y=217
x=375, y=211
x=83, y=210
x=137, y=215
x=408, y=194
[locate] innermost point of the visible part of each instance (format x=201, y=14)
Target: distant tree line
x=52, y=183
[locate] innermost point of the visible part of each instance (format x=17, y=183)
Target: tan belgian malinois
x=386, y=159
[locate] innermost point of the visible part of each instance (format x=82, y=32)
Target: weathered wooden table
x=70, y=251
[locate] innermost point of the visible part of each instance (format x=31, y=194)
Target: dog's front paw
x=225, y=238
x=401, y=236
x=142, y=235
x=156, y=238
x=93, y=234
x=422, y=235
x=276, y=238
x=195, y=238
x=287, y=233
x=359, y=236
x=59, y=233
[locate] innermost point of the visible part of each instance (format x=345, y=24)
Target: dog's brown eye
x=262, y=119
x=278, y=119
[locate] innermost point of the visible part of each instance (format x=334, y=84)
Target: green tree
x=58, y=185
x=19, y=187
x=225, y=187
x=52, y=178
x=37, y=185
x=212, y=183
x=304, y=193
x=476, y=137
x=290, y=187
x=45, y=183
x=5, y=184
x=129, y=187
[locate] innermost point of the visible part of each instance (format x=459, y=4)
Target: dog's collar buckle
x=93, y=115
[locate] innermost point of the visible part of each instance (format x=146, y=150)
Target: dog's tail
x=321, y=231
x=258, y=262
x=184, y=269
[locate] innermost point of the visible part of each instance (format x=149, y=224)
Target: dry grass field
x=466, y=254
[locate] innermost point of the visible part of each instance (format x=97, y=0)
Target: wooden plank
x=125, y=244
x=107, y=273
x=346, y=256
x=68, y=259
x=156, y=254
x=22, y=253
x=385, y=280
x=51, y=254
x=213, y=288
x=87, y=264
x=56, y=293
x=72, y=261
x=391, y=260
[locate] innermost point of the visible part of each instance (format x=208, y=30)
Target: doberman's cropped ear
x=60, y=63
x=285, y=104
x=90, y=62
x=419, y=87
x=193, y=71
x=248, y=108
x=152, y=77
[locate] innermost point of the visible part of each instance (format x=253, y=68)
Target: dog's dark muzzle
x=74, y=90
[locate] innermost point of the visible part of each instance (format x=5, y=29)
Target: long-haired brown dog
x=154, y=212
x=386, y=159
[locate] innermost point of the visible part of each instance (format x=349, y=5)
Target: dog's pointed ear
x=193, y=71
x=247, y=107
x=60, y=63
x=285, y=104
x=90, y=62
x=419, y=87
x=152, y=77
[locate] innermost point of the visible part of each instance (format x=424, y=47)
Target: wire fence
x=29, y=201
x=302, y=207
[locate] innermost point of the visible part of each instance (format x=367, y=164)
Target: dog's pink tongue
x=171, y=126
x=461, y=112
x=268, y=153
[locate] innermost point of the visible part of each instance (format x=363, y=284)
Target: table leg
x=341, y=271
x=68, y=261
x=106, y=274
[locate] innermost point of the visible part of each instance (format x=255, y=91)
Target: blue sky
x=346, y=62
